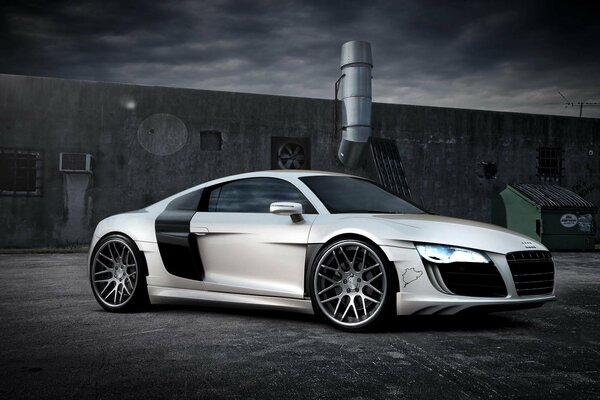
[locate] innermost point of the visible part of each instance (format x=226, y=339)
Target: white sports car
x=333, y=244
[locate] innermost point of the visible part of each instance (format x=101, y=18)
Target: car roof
x=288, y=175
x=283, y=173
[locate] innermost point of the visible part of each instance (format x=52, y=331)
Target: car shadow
x=231, y=310
x=465, y=322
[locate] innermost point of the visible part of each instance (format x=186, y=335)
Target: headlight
x=440, y=254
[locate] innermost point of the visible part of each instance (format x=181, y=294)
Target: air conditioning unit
x=76, y=163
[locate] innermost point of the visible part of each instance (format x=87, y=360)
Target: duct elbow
x=351, y=153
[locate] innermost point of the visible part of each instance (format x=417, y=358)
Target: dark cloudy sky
x=497, y=55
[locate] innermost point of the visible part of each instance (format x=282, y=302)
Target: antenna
x=569, y=103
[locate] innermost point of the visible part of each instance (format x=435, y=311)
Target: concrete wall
x=443, y=151
x=150, y=142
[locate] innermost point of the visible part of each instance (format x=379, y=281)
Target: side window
x=254, y=195
x=187, y=202
x=213, y=199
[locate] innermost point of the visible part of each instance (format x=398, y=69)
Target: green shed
x=553, y=215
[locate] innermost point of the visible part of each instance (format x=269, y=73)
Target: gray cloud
x=511, y=56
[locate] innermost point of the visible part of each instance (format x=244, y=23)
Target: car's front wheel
x=350, y=284
x=117, y=274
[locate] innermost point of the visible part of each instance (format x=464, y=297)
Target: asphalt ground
x=57, y=342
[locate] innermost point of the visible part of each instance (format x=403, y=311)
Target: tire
x=351, y=285
x=118, y=274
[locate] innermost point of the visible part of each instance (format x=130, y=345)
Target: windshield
x=345, y=194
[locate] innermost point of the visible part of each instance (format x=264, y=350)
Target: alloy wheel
x=114, y=273
x=350, y=284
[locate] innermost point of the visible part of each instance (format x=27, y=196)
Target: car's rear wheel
x=350, y=284
x=117, y=274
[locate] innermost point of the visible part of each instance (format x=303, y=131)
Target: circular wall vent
x=162, y=134
x=291, y=156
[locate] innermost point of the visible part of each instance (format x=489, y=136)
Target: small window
x=211, y=141
x=255, y=195
x=20, y=173
x=550, y=162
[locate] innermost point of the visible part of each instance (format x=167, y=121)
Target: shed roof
x=552, y=196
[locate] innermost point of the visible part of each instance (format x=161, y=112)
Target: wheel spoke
x=116, y=292
x=105, y=256
x=128, y=279
x=338, y=305
x=106, y=271
x=329, y=268
x=121, y=298
x=112, y=256
x=328, y=278
x=331, y=299
x=374, y=288
x=354, y=258
x=370, y=268
x=362, y=265
x=373, y=278
x=371, y=299
x=125, y=287
x=337, y=261
x=105, y=287
x=364, y=305
x=327, y=288
x=109, y=293
x=345, y=312
x=104, y=265
x=345, y=256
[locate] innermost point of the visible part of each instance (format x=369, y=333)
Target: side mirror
x=294, y=210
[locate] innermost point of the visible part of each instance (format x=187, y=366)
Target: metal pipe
x=335, y=106
x=355, y=87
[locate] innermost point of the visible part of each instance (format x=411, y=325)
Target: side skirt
x=167, y=295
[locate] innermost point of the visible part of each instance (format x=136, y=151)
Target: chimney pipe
x=355, y=88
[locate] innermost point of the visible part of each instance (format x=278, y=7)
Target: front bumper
x=417, y=294
x=412, y=303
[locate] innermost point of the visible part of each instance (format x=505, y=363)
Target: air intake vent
x=532, y=271
x=467, y=279
x=76, y=162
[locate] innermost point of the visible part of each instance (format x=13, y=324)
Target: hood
x=428, y=228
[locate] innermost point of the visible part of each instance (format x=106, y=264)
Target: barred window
x=20, y=172
x=550, y=162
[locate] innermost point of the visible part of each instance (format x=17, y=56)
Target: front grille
x=469, y=279
x=532, y=271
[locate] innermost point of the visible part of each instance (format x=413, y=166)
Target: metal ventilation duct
x=355, y=88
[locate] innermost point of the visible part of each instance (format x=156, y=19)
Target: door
x=246, y=249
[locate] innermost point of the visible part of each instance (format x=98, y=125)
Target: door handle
x=199, y=231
